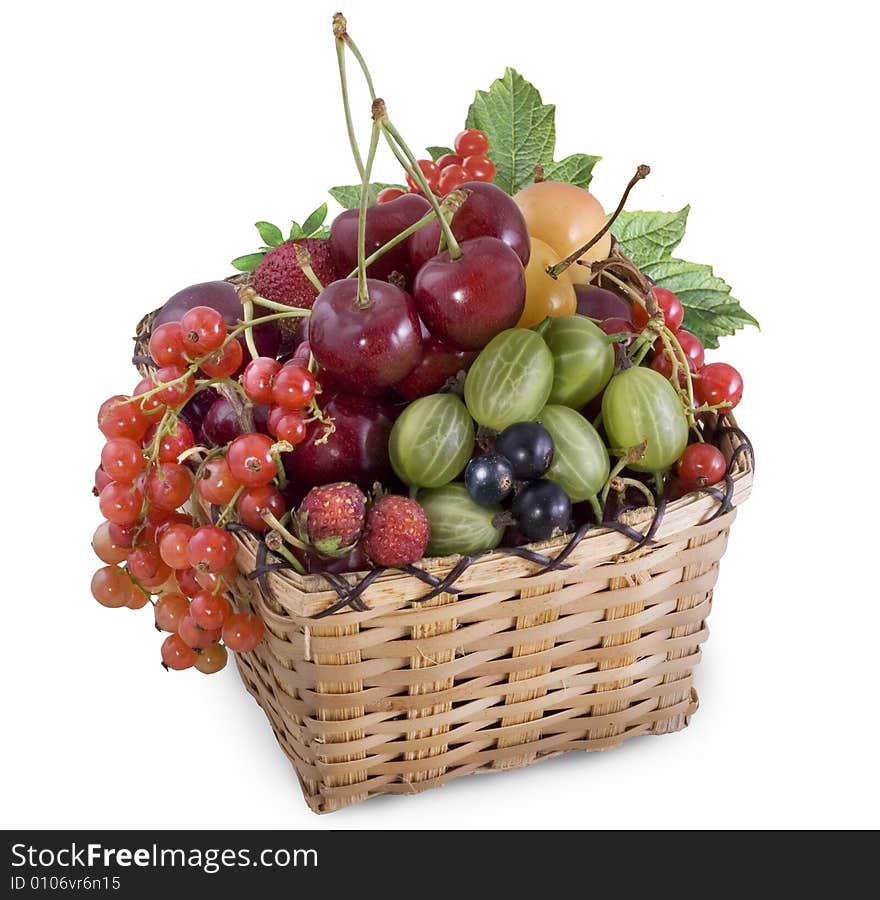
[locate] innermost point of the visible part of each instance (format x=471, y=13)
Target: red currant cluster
x=451, y=170
x=151, y=469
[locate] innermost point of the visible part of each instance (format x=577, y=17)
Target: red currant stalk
x=555, y=271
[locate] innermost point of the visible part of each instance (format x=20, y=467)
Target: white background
x=141, y=144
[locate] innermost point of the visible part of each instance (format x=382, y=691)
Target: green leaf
x=349, y=195
x=437, y=152
x=314, y=220
x=271, y=234
x=575, y=169
x=521, y=129
x=247, y=263
x=710, y=311
x=647, y=237
x=295, y=231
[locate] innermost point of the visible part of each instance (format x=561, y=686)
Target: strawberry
x=331, y=518
x=396, y=532
x=280, y=277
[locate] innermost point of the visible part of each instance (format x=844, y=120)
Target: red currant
x=122, y=459
x=450, y=178
x=166, y=344
x=187, y=582
x=174, y=442
x=430, y=170
x=119, y=417
x=144, y=563
x=449, y=159
x=210, y=549
x=290, y=427
x=258, y=378
x=172, y=545
x=209, y=610
x=693, y=349
x=106, y=549
x=194, y=636
x=701, y=465
x=471, y=142
x=176, y=654
x=250, y=459
x=169, y=610
x=204, y=329
x=294, y=387
x=614, y=325
x=212, y=659
x=717, y=383
x=151, y=408
x=216, y=484
x=479, y=168
x=122, y=535
x=215, y=581
x=169, y=485
x=121, y=503
x=174, y=394
x=673, y=311
x=386, y=195
x=223, y=362
x=253, y=503
x=242, y=632
x=139, y=599
x=111, y=587
x=102, y=479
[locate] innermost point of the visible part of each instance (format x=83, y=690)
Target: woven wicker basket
x=513, y=668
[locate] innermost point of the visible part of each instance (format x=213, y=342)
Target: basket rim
x=308, y=595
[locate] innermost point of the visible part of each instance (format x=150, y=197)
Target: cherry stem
x=227, y=510
x=247, y=304
x=304, y=261
x=340, y=35
x=450, y=205
x=555, y=271
x=410, y=164
x=639, y=486
x=363, y=293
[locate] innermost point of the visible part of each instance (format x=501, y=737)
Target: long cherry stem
x=397, y=144
x=363, y=293
x=555, y=271
x=341, y=38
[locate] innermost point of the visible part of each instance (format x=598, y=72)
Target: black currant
x=529, y=448
x=540, y=509
x=489, y=479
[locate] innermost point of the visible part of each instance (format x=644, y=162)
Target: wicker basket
x=401, y=694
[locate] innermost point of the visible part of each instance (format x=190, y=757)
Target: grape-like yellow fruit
x=565, y=217
x=546, y=296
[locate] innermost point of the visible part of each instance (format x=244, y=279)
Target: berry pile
x=444, y=370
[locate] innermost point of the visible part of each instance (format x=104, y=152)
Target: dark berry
x=541, y=509
x=489, y=479
x=529, y=448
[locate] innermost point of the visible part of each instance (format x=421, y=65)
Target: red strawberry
x=280, y=277
x=397, y=531
x=331, y=518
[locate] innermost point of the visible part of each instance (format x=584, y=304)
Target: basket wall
x=513, y=669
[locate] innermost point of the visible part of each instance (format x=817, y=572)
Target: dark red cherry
x=466, y=302
x=384, y=221
x=369, y=348
x=600, y=303
x=438, y=364
x=222, y=424
x=488, y=212
x=356, y=451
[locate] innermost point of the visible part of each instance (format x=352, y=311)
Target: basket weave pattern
x=514, y=668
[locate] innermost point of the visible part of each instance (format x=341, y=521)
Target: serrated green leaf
x=647, y=237
x=575, y=169
x=521, y=129
x=437, y=152
x=295, y=231
x=349, y=195
x=271, y=234
x=710, y=311
x=247, y=263
x=314, y=220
